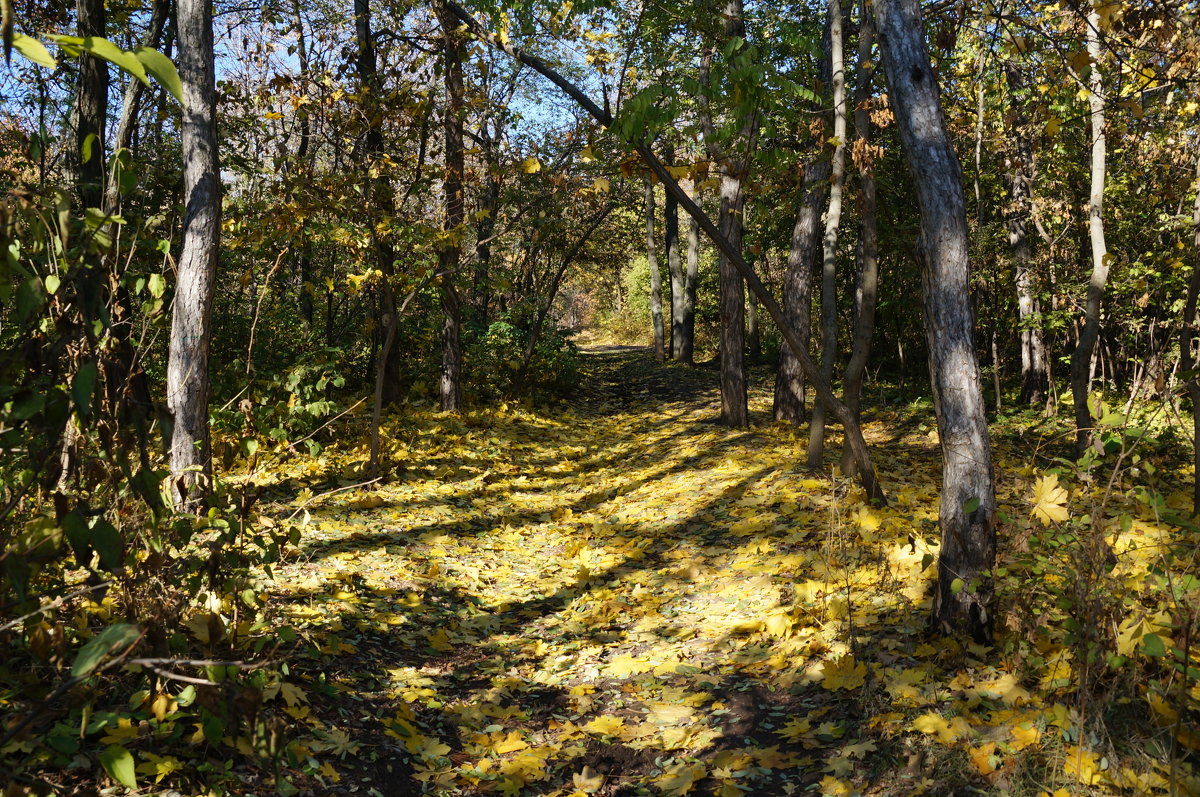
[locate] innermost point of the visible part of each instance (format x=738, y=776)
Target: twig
x=55, y=604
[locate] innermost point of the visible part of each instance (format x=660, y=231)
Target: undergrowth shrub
x=495, y=359
x=130, y=639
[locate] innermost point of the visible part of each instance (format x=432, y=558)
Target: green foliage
x=495, y=360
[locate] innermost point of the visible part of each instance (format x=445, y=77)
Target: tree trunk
x=131, y=102
x=674, y=266
x=797, y=289
x=734, y=169
x=1081, y=358
x=381, y=201
x=91, y=108
x=1034, y=381
x=867, y=292
x=488, y=203
x=734, y=409
x=450, y=252
x=686, y=352
x=303, y=256
x=967, y=514
x=187, y=366
x=656, y=313
x=833, y=220
x=1187, y=342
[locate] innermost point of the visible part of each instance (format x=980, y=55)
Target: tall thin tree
x=187, y=365
x=1081, y=358
x=656, y=303
x=833, y=221
x=962, y=602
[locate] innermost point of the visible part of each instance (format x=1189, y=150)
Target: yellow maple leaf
x=531, y=165
x=843, y=673
x=625, y=665
x=680, y=779
x=1024, y=735
x=1083, y=765
x=836, y=787
x=509, y=743
x=984, y=758
x=605, y=726
x=947, y=731
x=1049, y=501
x=588, y=781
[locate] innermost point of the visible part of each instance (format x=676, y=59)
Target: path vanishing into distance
x=616, y=596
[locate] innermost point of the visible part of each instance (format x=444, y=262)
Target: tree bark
x=91, y=107
x=1034, y=380
x=867, y=292
x=962, y=602
x=797, y=289
x=1187, y=343
x=1081, y=358
x=187, y=366
x=380, y=200
x=833, y=220
x=687, y=340
x=674, y=265
x=656, y=308
x=734, y=170
x=734, y=409
x=132, y=99
x=450, y=251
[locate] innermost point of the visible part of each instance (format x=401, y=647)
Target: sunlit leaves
x=1049, y=501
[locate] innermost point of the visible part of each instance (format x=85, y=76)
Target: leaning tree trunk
x=797, y=290
x=1187, y=342
x=867, y=292
x=450, y=251
x=656, y=313
x=833, y=220
x=1034, y=381
x=862, y=456
x=967, y=514
x=1081, y=358
x=674, y=265
x=187, y=365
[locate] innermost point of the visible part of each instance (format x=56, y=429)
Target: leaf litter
x=620, y=597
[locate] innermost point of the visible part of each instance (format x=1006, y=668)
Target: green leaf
x=971, y=505
x=118, y=763
x=90, y=655
x=27, y=406
x=85, y=151
x=33, y=50
x=956, y=586
x=106, y=540
x=1152, y=645
x=82, y=386
x=162, y=69
x=103, y=48
x=52, y=282
x=157, y=285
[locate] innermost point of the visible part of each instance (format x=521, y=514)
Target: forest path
x=614, y=597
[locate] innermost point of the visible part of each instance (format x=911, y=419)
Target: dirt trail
x=615, y=597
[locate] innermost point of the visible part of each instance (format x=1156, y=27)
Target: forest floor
x=617, y=596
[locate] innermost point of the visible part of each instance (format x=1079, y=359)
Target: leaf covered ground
x=619, y=597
